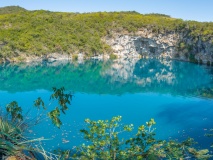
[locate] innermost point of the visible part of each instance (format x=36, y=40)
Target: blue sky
x=200, y=10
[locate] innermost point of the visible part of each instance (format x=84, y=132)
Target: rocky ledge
x=51, y=57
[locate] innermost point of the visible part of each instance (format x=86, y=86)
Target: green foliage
x=12, y=139
x=113, y=56
x=103, y=136
x=54, y=116
x=14, y=110
x=182, y=45
x=39, y=103
x=185, y=149
x=63, y=98
x=13, y=142
x=11, y=9
x=157, y=14
x=37, y=33
x=144, y=145
x=104, y=143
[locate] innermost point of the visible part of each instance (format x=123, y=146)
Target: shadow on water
x=180, y=113
x=195, y=118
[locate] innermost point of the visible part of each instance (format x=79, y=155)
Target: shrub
x=104, y=143
x=113, y=56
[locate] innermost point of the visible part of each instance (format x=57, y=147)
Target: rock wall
x=170, y=46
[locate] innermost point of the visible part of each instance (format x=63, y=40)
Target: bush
x=113, y=56
x=104, y=143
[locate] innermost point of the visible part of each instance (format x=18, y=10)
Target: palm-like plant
x=13, y=142
x=13, y=129
x=12, y=139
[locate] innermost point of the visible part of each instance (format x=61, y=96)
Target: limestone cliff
x=170, y=45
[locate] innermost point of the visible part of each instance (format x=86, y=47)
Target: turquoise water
x=178, y=95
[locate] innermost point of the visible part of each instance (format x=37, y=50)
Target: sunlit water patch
x=178, y=95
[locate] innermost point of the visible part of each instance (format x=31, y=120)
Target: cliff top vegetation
x=40, y=32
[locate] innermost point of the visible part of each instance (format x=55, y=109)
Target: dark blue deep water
x=178, y=95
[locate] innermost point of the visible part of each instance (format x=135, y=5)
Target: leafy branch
x=63, y=99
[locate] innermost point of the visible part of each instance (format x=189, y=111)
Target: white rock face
x=128, y=46
x=146, y=44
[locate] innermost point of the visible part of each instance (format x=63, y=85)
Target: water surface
x=178, y=95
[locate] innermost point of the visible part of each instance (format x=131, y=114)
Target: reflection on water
x=177, y=94
x=117, y=77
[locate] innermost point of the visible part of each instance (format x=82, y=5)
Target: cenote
x=178, y=95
